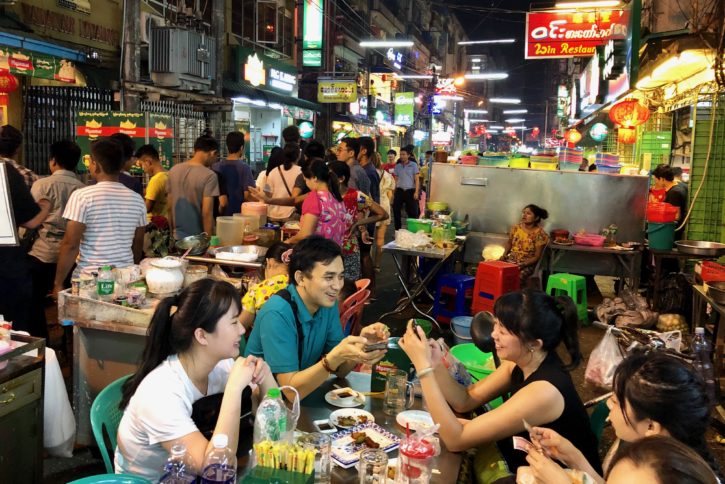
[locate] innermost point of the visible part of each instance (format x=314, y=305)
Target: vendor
x=675, y=193
x=527, y=241
x=298, y=331
x=276, y=278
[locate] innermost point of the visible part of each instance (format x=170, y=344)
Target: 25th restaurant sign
x=572, y=34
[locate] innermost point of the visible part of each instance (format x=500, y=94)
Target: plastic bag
x=603, y=361
x=454, y=366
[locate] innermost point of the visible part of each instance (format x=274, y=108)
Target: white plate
x=418, y=420
x=352, y=412
x=346, y=453
x=333, y=400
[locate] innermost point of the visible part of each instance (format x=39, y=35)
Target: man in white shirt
x=106, y=221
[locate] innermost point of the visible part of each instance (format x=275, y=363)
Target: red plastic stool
x=453, y=296
x=493, y=280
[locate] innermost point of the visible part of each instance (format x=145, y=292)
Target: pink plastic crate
x=592, y=240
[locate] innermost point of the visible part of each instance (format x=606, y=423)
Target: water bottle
x=703, y=362
x=105, y=284
x=271, y=420
x=176, y=470
x=220, y=464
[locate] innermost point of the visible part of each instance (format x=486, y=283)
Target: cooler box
x=493, y=280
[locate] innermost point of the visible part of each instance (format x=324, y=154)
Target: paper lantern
x=535, y=132
x=627, y=136
x=573, y=136
x=629, y=113
x=599, y=131
x=8, y=83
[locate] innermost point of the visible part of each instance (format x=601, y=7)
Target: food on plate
x=371, y=443
x=346, y=394
x=362, y=438
x=391, y=472
x=346, y=421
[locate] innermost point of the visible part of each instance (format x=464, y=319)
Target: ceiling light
x=491, y=41
x=475, y=111
x=492, y=131
x=505, y=100
x=487, y=76
x=515, y=120
x=515, y=111
x=476, y=68
x=589, y=4
x=476, y=60
x=496, y=127
x=413, y=76
x=386, y=43
x=450, y=98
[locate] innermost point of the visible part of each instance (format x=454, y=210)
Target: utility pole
x=217, y=33
x=546, y=120
x=131, y=61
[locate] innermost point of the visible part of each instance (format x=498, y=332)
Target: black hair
x=352, y=144
x=108, y=153
x=201, y=305
x=309, y=252
x=318, y=168
x=10, y=140
x=235, y=141
x=670, y=460
x=66, y=154
x=291, y=134
x=290, y=154
x=664, y=171
x=276, y=158
x=592, y=167
x=314, y=149
x=393, y=152
x=276, y=250
x=369, y=144
x=206, y=144
x=539, y=213
x=127, y=143
x=410, y=149
x=341, y=170
x=147, y=150
x=676, y=171
x=532, y=315
x=407, y=149
x=348, y=289
x=429, y=152
x=669, y=391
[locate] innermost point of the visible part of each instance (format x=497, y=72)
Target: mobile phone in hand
x=381, y=345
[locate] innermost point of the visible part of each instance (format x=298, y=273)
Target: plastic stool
x=493, y=280
x=456, y=286
x=573, y=286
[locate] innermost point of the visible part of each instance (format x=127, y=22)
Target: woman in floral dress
x=527, y=241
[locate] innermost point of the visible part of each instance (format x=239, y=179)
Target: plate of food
x=563, y=242
x=417, y=419
x=347, y=445
x=346, y=418
x=345, y=398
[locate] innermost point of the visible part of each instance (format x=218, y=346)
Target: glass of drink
x=373, y=467
x=322, y=445
x=399, y=393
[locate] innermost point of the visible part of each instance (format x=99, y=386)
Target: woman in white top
x=190, y=353
x=387, y=189
x=275, y=159
x=281, y=181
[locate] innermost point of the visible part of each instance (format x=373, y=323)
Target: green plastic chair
x=573, y=286
x=112, y=479
x=105, y=416
x=598, y=419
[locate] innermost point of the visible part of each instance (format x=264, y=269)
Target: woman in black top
x=529, y=327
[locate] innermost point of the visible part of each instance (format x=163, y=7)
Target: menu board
x=8, y=230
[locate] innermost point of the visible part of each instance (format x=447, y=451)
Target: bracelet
x=326, y=365
x=424, y=372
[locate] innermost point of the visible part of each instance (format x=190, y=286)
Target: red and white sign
x=572, y=34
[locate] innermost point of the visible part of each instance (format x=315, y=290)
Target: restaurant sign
x=336, y=91
x=572, y=33
x=265, y=72
x=26, y=63
x=404, y=112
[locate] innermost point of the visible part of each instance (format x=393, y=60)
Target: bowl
x=197, y=243
x=699, y=247
x=240, y=249
x=716, y=290
x=437, y=206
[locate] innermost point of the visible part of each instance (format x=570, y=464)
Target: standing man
x=191, y=188
x=10, y=148
x=43, y=255
x=675, y=193
x=124, y=177
x=106, y=221
x=367, y=152
x=348, y=151
x=156, y=196
x=408, y=187
x=236, y=174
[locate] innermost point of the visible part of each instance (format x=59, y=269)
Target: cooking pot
x=699, y=247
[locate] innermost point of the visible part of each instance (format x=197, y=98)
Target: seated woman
x=298, y=331
x=529, y=327
x=527, y=241
x=654, y=394
x=275, y=278
x=189, y=354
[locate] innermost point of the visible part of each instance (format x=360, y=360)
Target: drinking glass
x=373, y=467
x=396, y=387
x=322, y=445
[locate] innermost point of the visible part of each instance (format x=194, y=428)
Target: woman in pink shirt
x=323, y=212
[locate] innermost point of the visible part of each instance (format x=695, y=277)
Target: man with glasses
x=347, y=152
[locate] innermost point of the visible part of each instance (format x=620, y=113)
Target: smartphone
x=324, y=426
x=415, y=326
x=381, y=345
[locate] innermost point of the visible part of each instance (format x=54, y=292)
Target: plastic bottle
x=105, y=284
x=220, y=464
x=176, y=470
x=703, y=362
x=271, y=420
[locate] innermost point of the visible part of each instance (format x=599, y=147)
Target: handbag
x=205, y=413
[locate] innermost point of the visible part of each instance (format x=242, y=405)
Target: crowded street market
x=336, y=241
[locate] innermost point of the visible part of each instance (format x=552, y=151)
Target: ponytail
x=569, y=329
x=334, y=186
x=317, y=168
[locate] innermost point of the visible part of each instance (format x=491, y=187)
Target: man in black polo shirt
x=676, y=193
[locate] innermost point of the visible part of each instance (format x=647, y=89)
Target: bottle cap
x=220, y=441
x=214, y=240
x=274, y=393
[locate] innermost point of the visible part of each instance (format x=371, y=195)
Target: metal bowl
x=197, y=243
x=240, y=249
x=698, y=247
x=716, y=290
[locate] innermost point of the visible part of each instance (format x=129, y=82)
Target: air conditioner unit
x=182, y=58
x=149, y=20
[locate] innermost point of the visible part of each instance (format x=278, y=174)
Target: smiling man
x=298, y=330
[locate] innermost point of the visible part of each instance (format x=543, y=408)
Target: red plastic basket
x=592, y=240
x=661, y=212
x=712, y=271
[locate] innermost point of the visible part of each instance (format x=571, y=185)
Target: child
x=275, y=279
x=348, y=289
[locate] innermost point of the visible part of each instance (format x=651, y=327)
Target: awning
x=236, y=88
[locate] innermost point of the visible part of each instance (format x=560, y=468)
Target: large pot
x=702, y=248
x=165, y=276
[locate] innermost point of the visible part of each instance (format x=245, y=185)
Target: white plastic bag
x=604, y=361
x=59, y=424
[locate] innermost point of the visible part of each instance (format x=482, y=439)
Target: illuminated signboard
x=312, y=58
x=395, y=58
x=266, y=73
x=313, y=18
x=254, y=72
x=282, y=80
x=337, y=91
x=589, y=86
x=404, y=104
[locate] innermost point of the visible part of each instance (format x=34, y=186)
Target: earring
x=531, y=349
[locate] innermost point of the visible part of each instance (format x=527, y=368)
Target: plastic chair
x=351, y=318
x=456, y=286
x=598, y=419
x=362, y=284
x=112, y=479
x=573, y=286
x=105, y=416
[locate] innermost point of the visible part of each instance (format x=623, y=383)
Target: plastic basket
x=493, y=161
x=478, y=363
x=712, y=271
x=661, y=212
x=613, y=170
x=569, y=166
x=543, y=166
x=519, y=163
x=592, y=240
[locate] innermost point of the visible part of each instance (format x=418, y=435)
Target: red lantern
x=573, y=136
x=8, y=83
x=535, y=132
x=627, y=136
x=629, y=113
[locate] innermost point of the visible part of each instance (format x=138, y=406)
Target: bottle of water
x=105, y=284
x=220, y=464
x=703, y=363
x=270, y=422
x=176, y=470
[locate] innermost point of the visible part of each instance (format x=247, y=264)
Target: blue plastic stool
x=458, y=286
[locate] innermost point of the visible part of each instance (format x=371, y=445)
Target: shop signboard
x=26, y=63
x=307, y=129
x=161, y=135
x=572, y=33
x=441, y=138
x=267, y=152
x=562, y=101
x=264, y=72
x=336, y=91
x=312, y=58
x=404, y=104
x=298, y=113
x=313, y=20
x=589, y=86
x=395, y=58
x=93, y=125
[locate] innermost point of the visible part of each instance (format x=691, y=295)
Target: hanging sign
x=572, y=34
x=313, y=18
x=337, y=91
x=26, y=63
x=265, y=72
x=161, y=135
x=404, y=104
x=92, y=125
